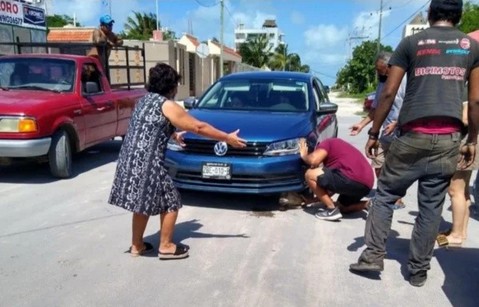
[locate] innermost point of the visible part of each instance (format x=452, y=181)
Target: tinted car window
x=278, y=95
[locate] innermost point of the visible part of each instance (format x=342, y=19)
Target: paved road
x=62, y=245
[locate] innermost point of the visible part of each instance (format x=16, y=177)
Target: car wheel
x=60, y=155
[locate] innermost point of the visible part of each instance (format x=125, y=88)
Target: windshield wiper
x=35, y=87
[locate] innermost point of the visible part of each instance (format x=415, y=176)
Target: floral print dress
x=142, y=183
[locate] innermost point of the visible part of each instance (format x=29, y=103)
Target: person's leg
x=378, y=165
x=167, y=224
x=404, y=164
x=139, y=222
x=432, y=189
x=460, y=201
x=321, y=193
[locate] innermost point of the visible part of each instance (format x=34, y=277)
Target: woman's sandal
x=181, y=252
x=446, y=232
x=442, y=241
x=147, y=248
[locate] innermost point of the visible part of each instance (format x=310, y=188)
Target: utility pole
x=157, y=17
x=380, y=24
x=222, y=7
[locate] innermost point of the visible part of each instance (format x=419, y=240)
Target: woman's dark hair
x=437, y=14
x=163, y=79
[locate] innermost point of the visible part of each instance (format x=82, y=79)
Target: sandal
x=147, y=248
x=442, y=241
x=446, y=232
x=181, y=252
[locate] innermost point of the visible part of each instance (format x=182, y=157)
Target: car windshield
x=275, y=95
x=37, y=74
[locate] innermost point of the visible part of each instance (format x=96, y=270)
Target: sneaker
x=329, y=214
x=418, y=279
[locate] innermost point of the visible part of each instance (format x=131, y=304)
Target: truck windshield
x=37, y=74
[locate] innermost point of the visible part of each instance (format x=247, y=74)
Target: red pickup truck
x=53, y=105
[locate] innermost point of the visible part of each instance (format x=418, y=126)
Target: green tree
x=281, y=59
x=58, y=21
x=140, y=26
x=256, y=52
x=470, y=18
x=359, y=74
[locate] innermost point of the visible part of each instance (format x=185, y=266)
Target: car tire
x=60, y=155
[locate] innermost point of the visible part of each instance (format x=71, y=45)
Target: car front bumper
x=24, y=148
x=249, y=175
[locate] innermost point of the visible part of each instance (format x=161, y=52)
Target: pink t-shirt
x=433, y=126
x=349, y=160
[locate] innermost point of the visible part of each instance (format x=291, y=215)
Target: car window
x=318, y=95
x=91, y=74
x=275, y=95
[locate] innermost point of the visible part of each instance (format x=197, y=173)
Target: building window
x=271, y=35
x=240, y=36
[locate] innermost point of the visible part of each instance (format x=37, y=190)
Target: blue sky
x=318, y=30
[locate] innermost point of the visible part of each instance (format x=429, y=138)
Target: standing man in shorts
x=337, y=167
x=438, y=61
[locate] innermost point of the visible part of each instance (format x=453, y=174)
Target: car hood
x=257, y=126
x=25, y=102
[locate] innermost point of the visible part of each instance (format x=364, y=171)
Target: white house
x=270, y=29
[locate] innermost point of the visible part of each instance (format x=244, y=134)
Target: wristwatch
x=373, y=135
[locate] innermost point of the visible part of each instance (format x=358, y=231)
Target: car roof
x=299, y=76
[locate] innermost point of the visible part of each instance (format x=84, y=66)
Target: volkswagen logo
x=221, y=148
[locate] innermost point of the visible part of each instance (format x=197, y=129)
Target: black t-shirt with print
x=438, y=62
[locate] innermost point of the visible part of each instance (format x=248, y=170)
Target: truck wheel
x=60, y=155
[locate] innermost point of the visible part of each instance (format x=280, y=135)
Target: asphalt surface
x=61, y=244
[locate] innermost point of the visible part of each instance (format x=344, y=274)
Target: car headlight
x=289, y=147
x=172, y=145
x=18, y=124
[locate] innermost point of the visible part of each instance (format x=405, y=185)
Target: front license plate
x=216, y=171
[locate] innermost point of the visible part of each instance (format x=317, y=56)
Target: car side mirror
x=92, y=88
x=190, y=102
x=327, y=89
x=327, y=108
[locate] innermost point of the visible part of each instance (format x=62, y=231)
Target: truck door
x=99, y=108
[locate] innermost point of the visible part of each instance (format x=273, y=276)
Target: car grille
x=207, y=147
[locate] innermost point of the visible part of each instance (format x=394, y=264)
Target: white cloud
x=323, y=37
x=83, y=10
x=297, y=18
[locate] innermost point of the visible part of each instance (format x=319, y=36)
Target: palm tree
x=141, y=26
x=283, y=60
x=256, y=52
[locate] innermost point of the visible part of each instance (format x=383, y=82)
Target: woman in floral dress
x=142, y=184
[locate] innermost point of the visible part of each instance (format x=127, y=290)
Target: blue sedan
x=273, y=110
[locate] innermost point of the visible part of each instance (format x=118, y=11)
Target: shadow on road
x=259, y=204
x=461, y=269
x=33, y=172
x=189, y=229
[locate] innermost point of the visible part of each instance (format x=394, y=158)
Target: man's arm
x=115, y=40
x=313, y=159
x=357, y=128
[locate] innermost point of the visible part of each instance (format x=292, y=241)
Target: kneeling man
x=337, y=167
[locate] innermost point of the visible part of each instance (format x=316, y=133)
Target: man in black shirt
x=438, y=61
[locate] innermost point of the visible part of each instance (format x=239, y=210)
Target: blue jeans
x=429, y=159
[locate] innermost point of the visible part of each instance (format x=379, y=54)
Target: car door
x=326, y=122
x=98, y=107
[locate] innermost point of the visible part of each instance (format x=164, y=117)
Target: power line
x=407, y=19
x=204, y=5
x=231, y=15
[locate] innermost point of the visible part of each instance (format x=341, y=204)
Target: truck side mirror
x=91, y=87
